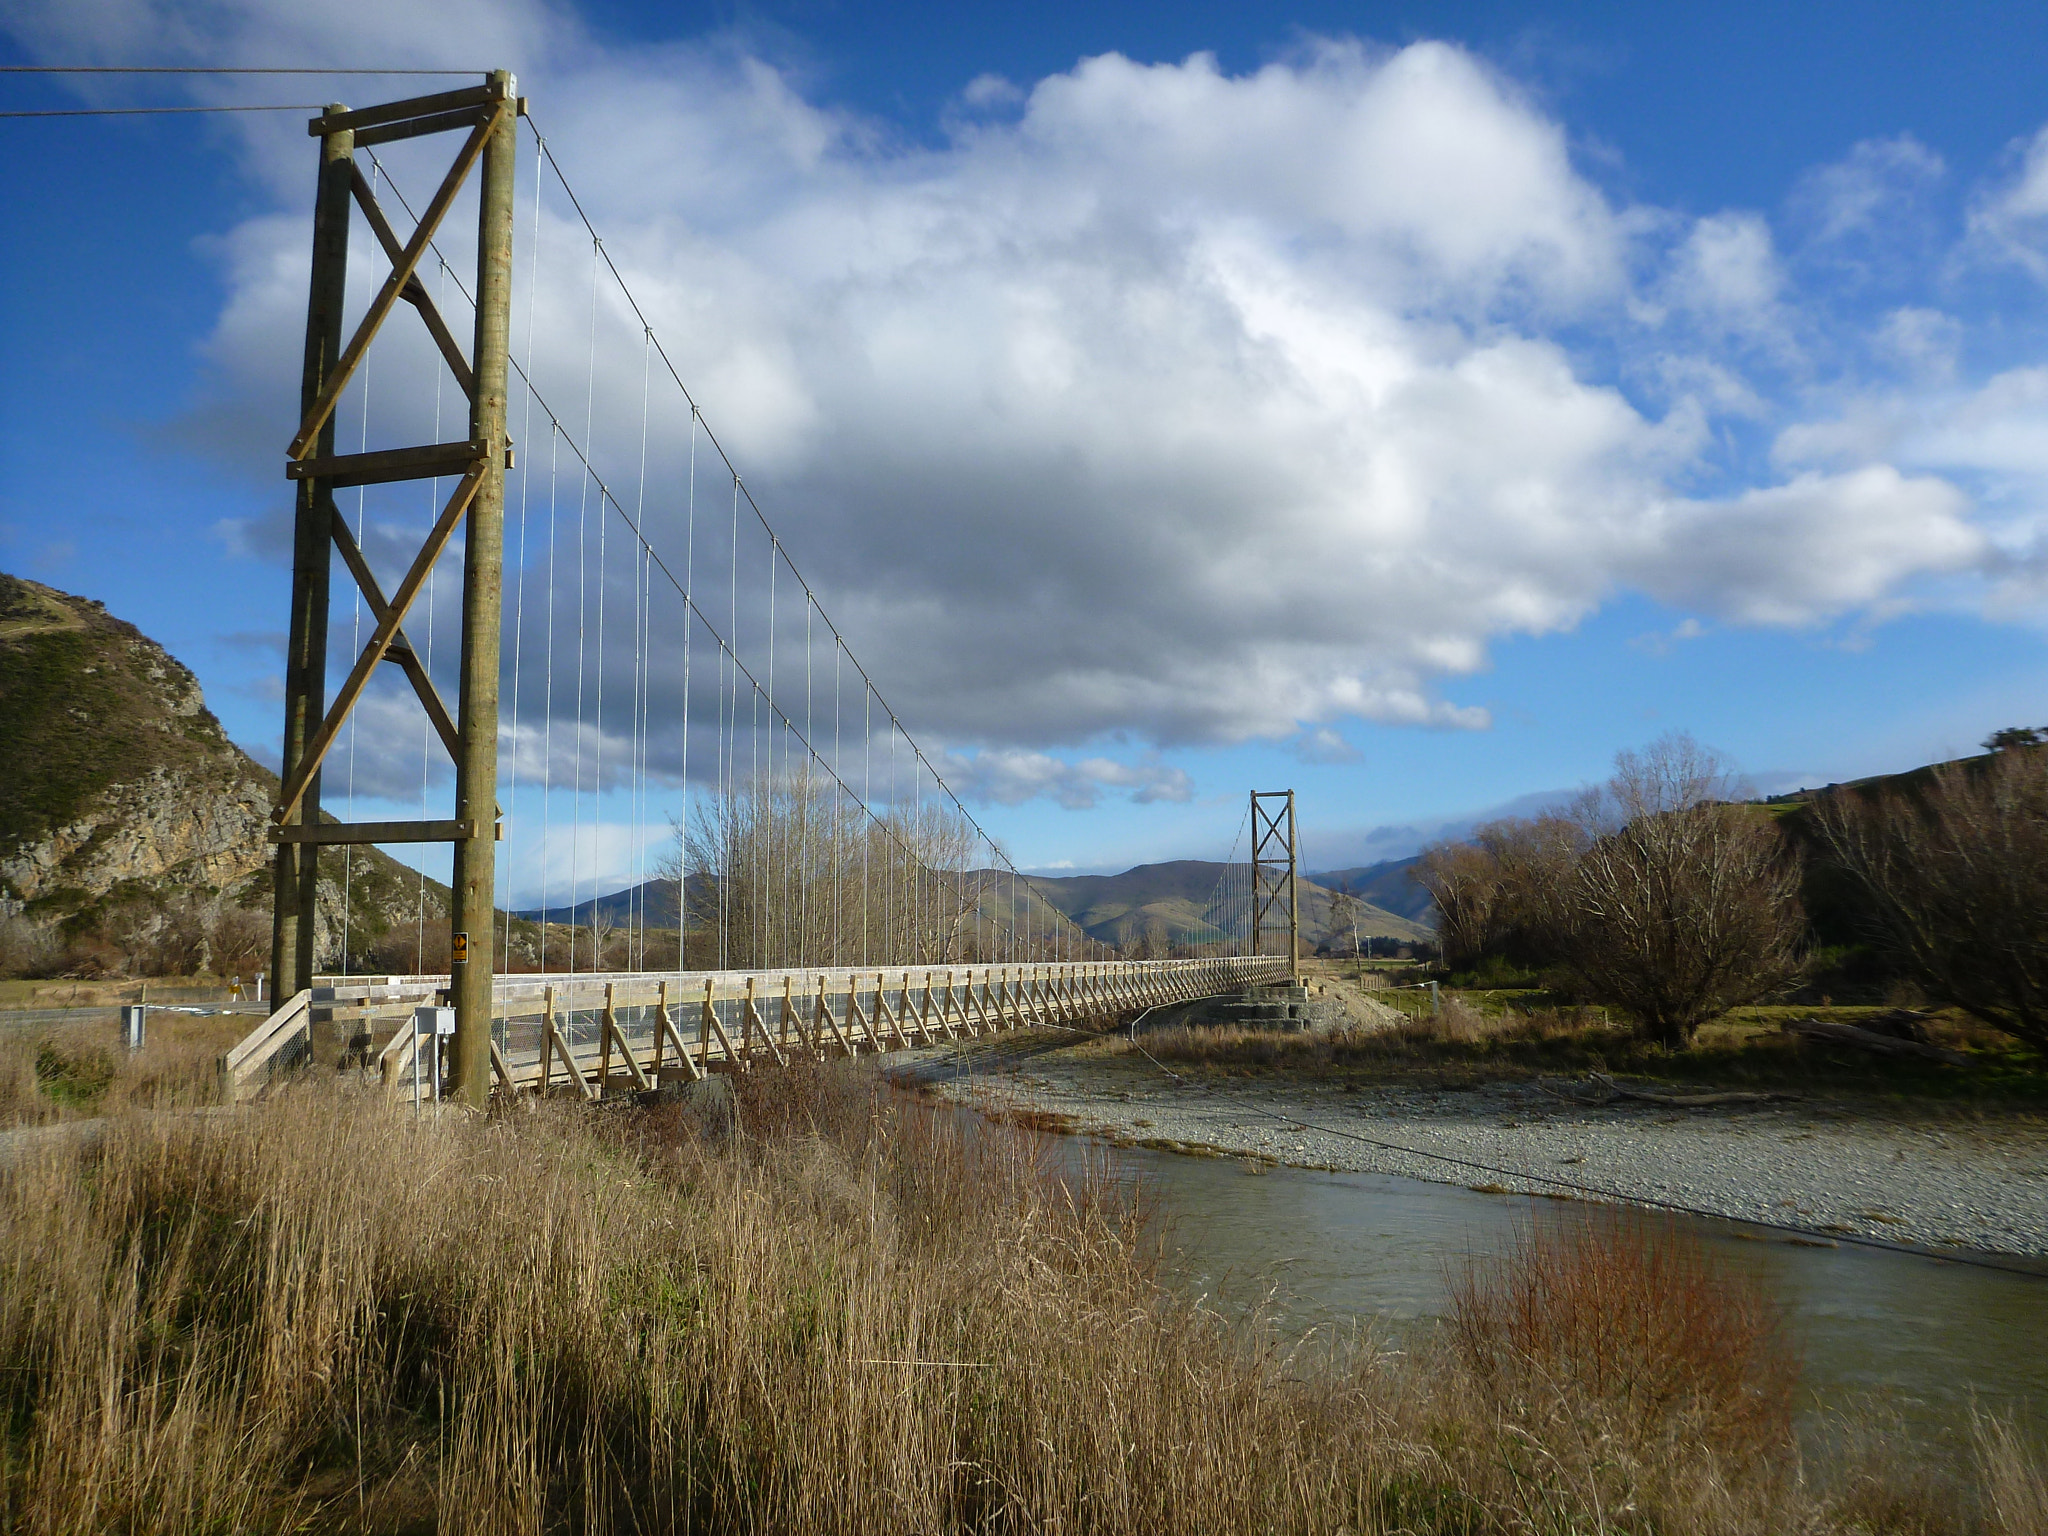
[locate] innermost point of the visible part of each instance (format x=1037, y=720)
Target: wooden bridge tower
x=1275, y=880
x=489, y=114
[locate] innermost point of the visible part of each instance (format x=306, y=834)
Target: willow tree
x=1680, y=904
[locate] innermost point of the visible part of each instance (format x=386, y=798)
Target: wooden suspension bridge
x=795, y=812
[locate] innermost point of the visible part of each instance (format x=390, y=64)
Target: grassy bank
x=832, y=1310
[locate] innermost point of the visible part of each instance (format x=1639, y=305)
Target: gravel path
x=1979, y=1184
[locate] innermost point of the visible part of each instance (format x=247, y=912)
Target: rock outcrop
x=113, y=772
x=119, y=791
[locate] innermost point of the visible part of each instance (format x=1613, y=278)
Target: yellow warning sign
x=458, y=949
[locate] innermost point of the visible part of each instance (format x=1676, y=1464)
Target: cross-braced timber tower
x=488, y=113
x=1275, y=878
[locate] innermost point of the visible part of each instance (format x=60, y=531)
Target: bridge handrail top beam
x=914, y=969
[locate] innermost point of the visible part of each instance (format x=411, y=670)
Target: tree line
x=1669, y=893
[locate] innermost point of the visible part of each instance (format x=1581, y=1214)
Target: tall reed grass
x=820, y=1308
x=71, y=1071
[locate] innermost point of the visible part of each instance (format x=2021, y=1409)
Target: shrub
x=1629, y=1313
x=29, y=948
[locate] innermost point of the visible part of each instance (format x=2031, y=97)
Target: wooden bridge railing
x=587, y=1032
x=246, y=1068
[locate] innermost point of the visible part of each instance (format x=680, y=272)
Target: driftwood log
x=1871, y=1040
x=1603, y=1089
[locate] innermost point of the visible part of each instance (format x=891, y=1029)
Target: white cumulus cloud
x=1153, y=399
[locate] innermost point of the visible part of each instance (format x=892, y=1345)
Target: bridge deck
x=586, y=1032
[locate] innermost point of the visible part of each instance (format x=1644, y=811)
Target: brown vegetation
x=76, y=1071
x=182, y=933
x=1652, y=894
x=789, y=869
x=1955, y=875
x=826, y=1309
x=1477, y=1038
x=1630, y=1313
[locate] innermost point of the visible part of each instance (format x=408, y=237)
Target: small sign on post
x=458, y=949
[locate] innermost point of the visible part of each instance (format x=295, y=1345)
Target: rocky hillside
x=131, y=828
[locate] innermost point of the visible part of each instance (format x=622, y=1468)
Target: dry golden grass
x=827, y=1309
x=71, y=1071
x=1457, y=1029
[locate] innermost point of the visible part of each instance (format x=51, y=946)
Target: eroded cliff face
x=113, y=772
x=119, y=792
x=201, y=828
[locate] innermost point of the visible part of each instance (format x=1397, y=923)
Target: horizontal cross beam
x=404, y=111
x=433, y=461
x=336, y=832
x=419, y=127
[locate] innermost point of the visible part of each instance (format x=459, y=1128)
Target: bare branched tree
x=1956, y=877
x=1344, y=919
x=1653, y=892
x=1465, y=882
x=785, y=871
x=1498, y=894
x=1680, y=905
x=602, y=929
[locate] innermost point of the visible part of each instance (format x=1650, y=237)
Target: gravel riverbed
x=1937, y=1182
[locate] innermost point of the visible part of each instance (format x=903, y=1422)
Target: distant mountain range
x=1389, y=885
x=1172, y=901
x=652, y=902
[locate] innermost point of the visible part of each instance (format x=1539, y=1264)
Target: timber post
x=296, y=877
x=483, y=588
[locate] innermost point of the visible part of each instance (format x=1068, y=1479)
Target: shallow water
x=1343, y=1249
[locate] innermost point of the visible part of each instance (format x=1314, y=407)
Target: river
x=1926, y=1336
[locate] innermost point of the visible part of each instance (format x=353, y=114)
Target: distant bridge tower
x=488, y=114
x=1275, y=905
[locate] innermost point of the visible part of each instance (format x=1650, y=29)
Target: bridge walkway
x=589, y=1033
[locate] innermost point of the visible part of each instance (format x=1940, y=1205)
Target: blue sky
x=1414, y=405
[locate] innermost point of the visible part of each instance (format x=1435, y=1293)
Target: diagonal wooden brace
x=414, y=292
x=408, y=261
x=665, y=1028
x=400, y=650
x=733, y=1057
x=293, y=790
x=613, y=1033
x=824, y=1016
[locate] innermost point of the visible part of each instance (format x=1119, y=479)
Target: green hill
x=1389, y=885
x=1176, y=901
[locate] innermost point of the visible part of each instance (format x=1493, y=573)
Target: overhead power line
x=181, y=69
x=285, y=106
